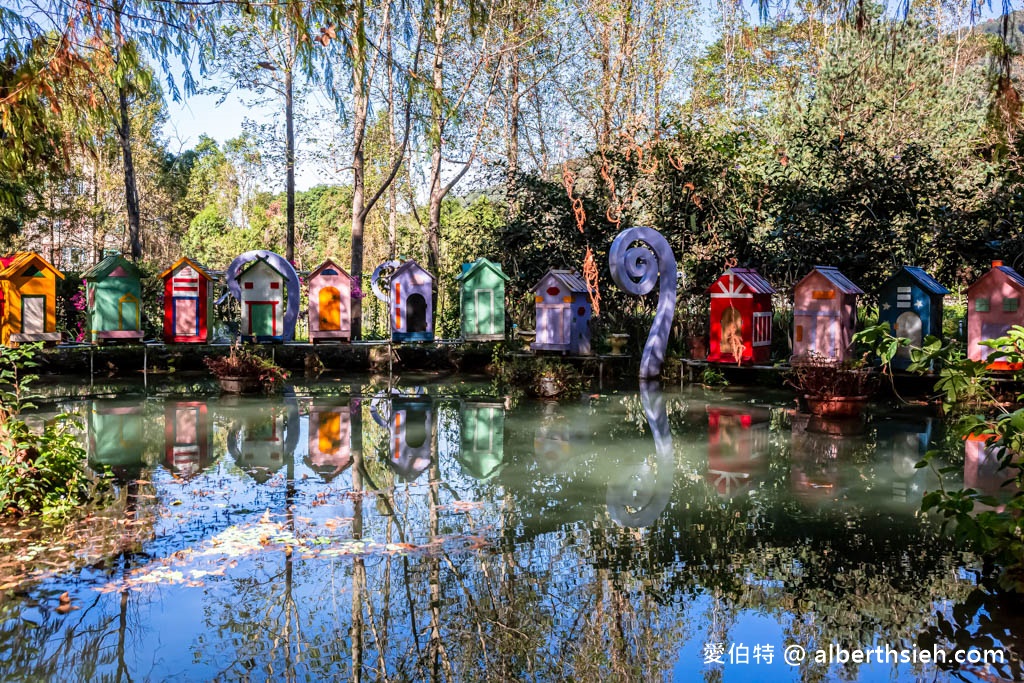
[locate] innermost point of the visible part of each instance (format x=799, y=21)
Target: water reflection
x=516, y=556
x=984, y=472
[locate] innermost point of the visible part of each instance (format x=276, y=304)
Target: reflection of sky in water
x=547, y=541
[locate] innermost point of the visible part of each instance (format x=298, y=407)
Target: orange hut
x=28, y=299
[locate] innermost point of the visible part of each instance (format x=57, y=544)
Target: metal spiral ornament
x=636, y=270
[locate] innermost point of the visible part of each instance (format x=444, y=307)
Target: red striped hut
x=188, y=298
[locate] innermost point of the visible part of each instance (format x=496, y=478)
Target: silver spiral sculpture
x=636, y=270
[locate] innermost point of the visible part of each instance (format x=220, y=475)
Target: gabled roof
x=327, y=262
x=477, y=265
x=252, y=264
x=832, y=274
x=194, y=264
x=1012, y=274
x=569, y=279
x=10, y=265
x=409, y=265
x=923, y=279
x=104, y=267
x=750, y=277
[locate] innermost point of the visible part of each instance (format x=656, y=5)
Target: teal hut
x=482, y=293
x=114, y=300
x=482, y=453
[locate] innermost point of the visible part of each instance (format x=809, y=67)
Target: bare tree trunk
x=437, y=189
x=512, y=143
x=131, y=193
x=392, y=153
x=289, y=117
x=360, y=97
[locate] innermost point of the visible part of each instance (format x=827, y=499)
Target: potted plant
x=831, y=388
x=618, y=341
x=243, y=371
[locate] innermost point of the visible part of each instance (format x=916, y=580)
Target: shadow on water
x=420, y=534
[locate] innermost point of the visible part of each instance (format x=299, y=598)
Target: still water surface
x=439, y=533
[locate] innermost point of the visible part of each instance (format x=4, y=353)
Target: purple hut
x=563, y=313
x=412, y=303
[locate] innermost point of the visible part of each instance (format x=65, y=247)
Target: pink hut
x=824, y=314
x=412, y=303
x=330, y=289
x=330, y=442
x=741, y=317
x=563, y=313
x=993, y=307
x=188, y=439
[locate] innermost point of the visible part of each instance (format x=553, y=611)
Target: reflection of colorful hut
x=824, y=314
x=741, y=317
x=188, y=299
x=553, y=440
x=911, y=303
x=983, y=470
x=907, y=441
x=188, y=439
x=261, y=446
x=818, y=447
x=737, y=448
x=28, y=299
x=412, y=426
x=114, y=300
x=412, y=303
x=993, y=307
x=563, y=313
x=330, y=291
x=482, y=295
x=263, y=309
x=116, y=434
x=483, y=437
x=330, y=443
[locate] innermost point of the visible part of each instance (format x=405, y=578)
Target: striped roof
x=754, y=281
x=195, y=265
x=832, y=274
x=1012, y=274
x=569, y=279
x=926, y=281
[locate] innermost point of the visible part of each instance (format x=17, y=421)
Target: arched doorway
x=416, y=313
x=732, y=333
x=908, y=325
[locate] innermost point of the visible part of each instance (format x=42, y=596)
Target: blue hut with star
x=910, y=302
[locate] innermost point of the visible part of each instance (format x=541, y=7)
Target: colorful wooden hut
x=113, y=293
x=563, y=313
x=259, y=445
x=412, y=423
x=741, y=317
x=824, y=314
x=330, y=442
x=482, y=297
x=262, y=288
x=28, y=299
x=116, y=433
x=188, y=439
x=911, y=303
x=483, y=437
x=412, y=303
x=738, y=441
x=330, y=291
x=188, y=303
x=993, y=307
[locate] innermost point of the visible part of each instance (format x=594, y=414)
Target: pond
x=439, y=532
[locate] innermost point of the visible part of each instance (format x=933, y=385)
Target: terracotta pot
x=239, y=385
x=837, y=406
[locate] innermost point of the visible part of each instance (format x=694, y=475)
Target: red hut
x=738, y=441
x=188, y=295
x=824, y=314
x=993, y=307
x=741, y=317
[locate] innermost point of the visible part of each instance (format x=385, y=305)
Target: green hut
x=483, y=438
x=482, y=293
x=116, y=434
x=114, y=300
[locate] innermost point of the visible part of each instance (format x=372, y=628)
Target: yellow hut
x=28, y=299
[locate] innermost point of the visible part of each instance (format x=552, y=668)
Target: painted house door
x=416, y=313
x=330, y=309
x=128, y=312
x=329, y=433
x=261, y=320
x=827, y=335
x=552, y=325
x=33, y=315
x=908, y=325
x=186, y=317
x=484, y=311
x=732, y=332
x=804, y=334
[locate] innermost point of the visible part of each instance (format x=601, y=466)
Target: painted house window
x=248, y=285
x=762, y=329
x=904, y=297
x=799, y=333
x=275, y=285
x=981, y=305
x=823, y=294
x=1010, y=305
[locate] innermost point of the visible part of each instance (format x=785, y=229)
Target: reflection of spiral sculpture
x=278, y=262
x=638, y=498
x=636, y=269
